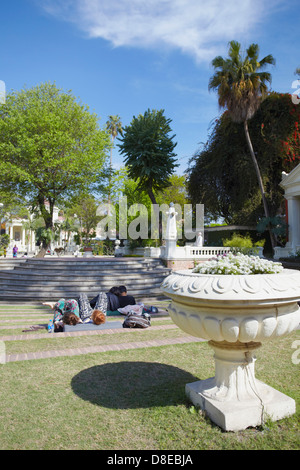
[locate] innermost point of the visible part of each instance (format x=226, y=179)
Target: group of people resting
x=71, y=312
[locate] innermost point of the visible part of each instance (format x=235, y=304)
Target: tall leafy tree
x=149, y=154
x=84, y=209
x=241, y=83
x=148, y=149
x=175, y=193
x=50, y=147
x=222, y=177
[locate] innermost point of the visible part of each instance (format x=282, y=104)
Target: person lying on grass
x=67, y=312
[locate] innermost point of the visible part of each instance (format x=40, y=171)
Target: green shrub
x=242, y=244
x=238, y=241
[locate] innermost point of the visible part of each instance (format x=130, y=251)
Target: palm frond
x=253, y=51
x=268, y=60
x=239, y=82
x=234, y=50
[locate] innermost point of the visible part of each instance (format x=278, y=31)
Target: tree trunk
x=41, y=253
x=151, y=195
x=159, y=222
x=110, y=174
x=48, y=219
x=260, y=181
x=109, y=183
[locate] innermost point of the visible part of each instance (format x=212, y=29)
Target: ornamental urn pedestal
x=236, y=313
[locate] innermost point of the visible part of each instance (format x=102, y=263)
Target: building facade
x=24, y=238
x=291, y=185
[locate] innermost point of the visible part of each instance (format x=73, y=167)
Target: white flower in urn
x=238, y=264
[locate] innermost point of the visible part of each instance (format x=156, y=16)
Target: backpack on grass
x=134, y=320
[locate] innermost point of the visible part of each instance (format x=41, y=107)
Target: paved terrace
x=17, y=317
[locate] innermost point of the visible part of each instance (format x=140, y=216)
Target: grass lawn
x=133, y=399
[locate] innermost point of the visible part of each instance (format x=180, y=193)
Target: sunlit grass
x=130, y=399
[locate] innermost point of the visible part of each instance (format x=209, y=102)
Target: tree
x=241, y=86
x=114, y=127
x=148, y=150
x=149, y=153
x=50, y=146
x=222, y=177
x=84, y=209
x=141, y=201
x=175, y=193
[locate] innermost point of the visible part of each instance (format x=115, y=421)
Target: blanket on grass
x=92, y=326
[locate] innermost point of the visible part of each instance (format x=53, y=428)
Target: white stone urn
x=236, y=313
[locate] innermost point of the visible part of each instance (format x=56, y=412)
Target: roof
x=291, y=182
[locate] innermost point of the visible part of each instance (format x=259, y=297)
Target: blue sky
x=125, y=56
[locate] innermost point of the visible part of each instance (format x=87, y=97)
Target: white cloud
x=195, y=27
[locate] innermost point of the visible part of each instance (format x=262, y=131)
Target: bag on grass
x=134, y=320
x=151, y=309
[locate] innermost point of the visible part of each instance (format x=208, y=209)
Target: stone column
x=23, y=238
x=293, y=221
x=11, y=236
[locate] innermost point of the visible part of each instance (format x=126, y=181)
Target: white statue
x=171, y=231
x=199, y=239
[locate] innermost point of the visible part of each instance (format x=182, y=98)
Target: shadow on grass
x=129, y=385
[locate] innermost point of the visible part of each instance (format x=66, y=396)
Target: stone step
x=83, y=284
x=77, y=276
x=89, y=265
x=108, y=278
x=15, y=290
x=83, y=268
x=55, y=295
x=85, y=271
x=83, y=263
x=92, y=259
x=49, y=279
x=75, y=271
x=10, y=264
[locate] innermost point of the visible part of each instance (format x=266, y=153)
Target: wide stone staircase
x=48, y=279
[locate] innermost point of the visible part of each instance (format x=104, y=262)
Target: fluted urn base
x=236, y=313
x=234, y=399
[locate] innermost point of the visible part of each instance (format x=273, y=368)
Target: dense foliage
x=221, y=175
x=148, y=150
x=50, y=146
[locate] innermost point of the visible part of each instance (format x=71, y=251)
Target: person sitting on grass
x=124, y=298
x=106, y=301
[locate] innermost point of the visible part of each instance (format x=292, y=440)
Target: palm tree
x=114, y=127
x=241, y=84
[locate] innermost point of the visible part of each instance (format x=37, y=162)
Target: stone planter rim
x=233, y=287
